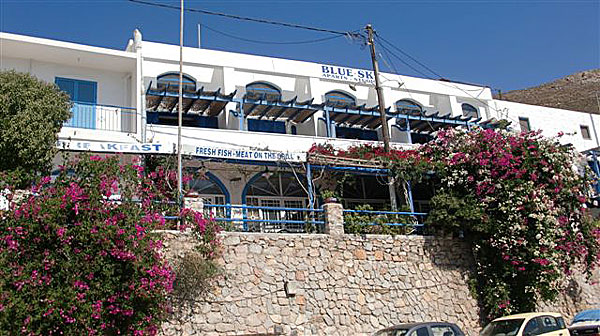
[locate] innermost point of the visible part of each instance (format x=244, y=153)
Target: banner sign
x=243, y=154
x=347, y=74
x=115, y=147
x=201, y=150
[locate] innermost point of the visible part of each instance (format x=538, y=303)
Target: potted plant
x=329, y=196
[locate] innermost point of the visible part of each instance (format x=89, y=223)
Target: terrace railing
x=103, y=117
x=249, y=218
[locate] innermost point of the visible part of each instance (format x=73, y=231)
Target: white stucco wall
x=552, y=121
x=121, y=82
x=114, y=88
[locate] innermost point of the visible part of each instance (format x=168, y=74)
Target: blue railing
x=250, y=218
x=103, y=117
x=387, y=218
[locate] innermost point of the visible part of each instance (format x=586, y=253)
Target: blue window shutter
x=66, y=85
x=83, y=94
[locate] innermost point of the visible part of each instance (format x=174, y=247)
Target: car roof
x=419, y=324
x=527, y=315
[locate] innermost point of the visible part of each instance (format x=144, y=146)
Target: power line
x=487, y=104
x=268, y=42
x=403, y=61
x=244, y=18
x=409, y=56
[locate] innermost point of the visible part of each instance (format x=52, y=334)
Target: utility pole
x=179, y=118
x=384, y=126
x=385, y=131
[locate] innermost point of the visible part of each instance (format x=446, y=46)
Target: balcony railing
x=266, y=219
x=103, y=117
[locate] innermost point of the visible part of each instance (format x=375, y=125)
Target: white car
x=528, y=324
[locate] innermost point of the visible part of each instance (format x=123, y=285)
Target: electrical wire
x=391, y=66
x=268, y=42
x=383, y=47
x=409, y=56
x=448, y=84
x=244, y=18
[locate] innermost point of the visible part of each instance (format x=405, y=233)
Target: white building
x=250, y=120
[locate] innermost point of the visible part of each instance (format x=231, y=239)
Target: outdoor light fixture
x=267, y=173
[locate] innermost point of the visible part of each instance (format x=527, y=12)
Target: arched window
x=469, y=110
x=170, y=80
x=339, y=99
x=279, y=190
x=212, y=191
x=275, y=184
x=405, y=106
x=262, y=90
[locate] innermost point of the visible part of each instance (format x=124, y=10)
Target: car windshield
x=503, y=328
x=392, y=332
x=587, y=315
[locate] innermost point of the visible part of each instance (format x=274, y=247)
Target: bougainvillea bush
x=520, y=200
x=79, y=255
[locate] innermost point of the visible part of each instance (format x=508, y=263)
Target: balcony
x=103, y=117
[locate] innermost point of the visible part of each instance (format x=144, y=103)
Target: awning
x=419, y=122
x=355, y=116
x=275, y=108
x=207, y=103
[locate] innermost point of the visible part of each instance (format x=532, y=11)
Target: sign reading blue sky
x=505, y=44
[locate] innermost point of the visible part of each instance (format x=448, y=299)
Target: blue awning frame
x=212, y=103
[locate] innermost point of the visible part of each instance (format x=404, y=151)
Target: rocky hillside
x=574, y=92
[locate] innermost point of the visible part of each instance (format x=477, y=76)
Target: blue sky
x=505, y=44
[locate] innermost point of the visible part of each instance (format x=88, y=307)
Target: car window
x=442, y=331
x=532, y=327
x=549, y=324
x=400, y=332
x=503, y=328
x=394, y=332
x=422, y=332
x=561, y=323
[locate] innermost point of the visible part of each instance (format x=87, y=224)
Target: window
x=469, y=110
x=442, y=331
x=503, y=328
x=266, y=126
x=188, y=120
x=339, y=99
x=279, y=190
x=355, y=133
x=276, y=184
x=211, y=190
x=420, y=332
x=170, y=81
x=405, y=106
x=524, y=124
x=365, y=189
x=264, y=91
x=549, y=324
x=83, y=95
x=585, y=132
x=532, y=328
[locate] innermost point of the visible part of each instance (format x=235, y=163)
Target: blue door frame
x=84, y=95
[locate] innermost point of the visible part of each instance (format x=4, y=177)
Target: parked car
x=528, y=324
x=422, y=329
x=586, y=323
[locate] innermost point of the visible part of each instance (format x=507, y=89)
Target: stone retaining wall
x=337, y=285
